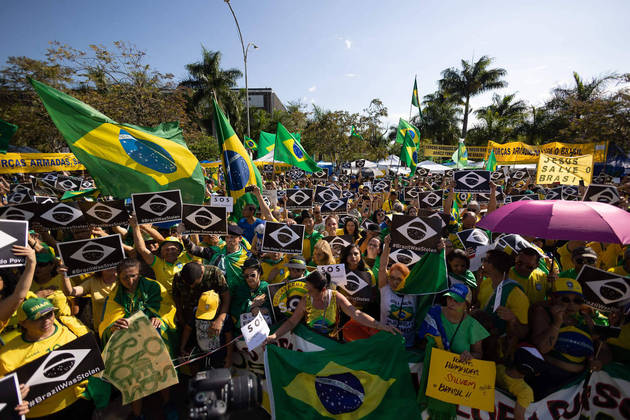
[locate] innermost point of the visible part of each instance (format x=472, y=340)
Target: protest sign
x=570, y=193
x=603, y=290
x=456, y=382
x=554, y=194
x=380, y=186
x=602, y=194
x=513, y=243
x=204, y=220
x=62, y=368
x=105, y=213
x=325, y=193
x=40, y=199
x=357, y=286
x=163, y=206
x=61, y=216
x=321, y=174
x=280, y=237
x=221, y=201
x=514, y=198
x=415, y=233
x=255, y=332
x=338, y=243
x=410, y=193
x=270, y=197
x=12, y=232
x=565, y=170
x=285, y=296
x=38, y=162
x=137, y=361
x=518, y=152
x=299, y=199
x=430, y=199
x=404, y=256
x=359, y=163
x=24, y=211
x=335, y=206
x=18, y=197
x=10, y=396
x=337, y=272
x=68, y=183
x=91, y=255
x=472, y=181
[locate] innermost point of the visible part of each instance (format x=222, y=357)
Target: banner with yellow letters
x=13, y=163
x=565, y=170
x=519, y=152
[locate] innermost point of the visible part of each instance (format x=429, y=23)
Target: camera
x=212, y=393
x=249, y=188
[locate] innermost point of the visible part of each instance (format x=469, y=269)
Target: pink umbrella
x=558, y=219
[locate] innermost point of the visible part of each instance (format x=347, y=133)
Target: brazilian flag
x=355, y=133
x=415, y=101
x=290, y=151
x=238, y=168
x=405, y=129
x=124, y=158
x=409, y=153
x=362, y=379
x=251, y=144
x=491, y=163
x=267, y=142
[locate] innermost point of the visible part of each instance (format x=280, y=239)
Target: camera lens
x=246, y=392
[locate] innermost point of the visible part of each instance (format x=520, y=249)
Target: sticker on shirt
x=415, y=233
x=105, y=213
x=12, y=232
x=163, y=206
x=472, y=181
x=603, y=290
x=61, y=216
x=299, y=199
x=280, y=237
x=61, y=368
x=91, y=255
x=10, y=397
x=205, y=220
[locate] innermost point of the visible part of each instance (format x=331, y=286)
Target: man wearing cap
x=581, y=256
x=169, y=261
x=297, y=267
x=41, y=333
x=193, y=281
x=623, y=269
x=229, y=259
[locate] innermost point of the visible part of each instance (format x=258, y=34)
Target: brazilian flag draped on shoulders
x=289, y=150
x=238, y=168
x=124, y=158
x=362, y=379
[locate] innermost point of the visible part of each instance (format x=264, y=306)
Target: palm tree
x=498, y=120
x=440, y=118
x=472, y=79
x=206, y=78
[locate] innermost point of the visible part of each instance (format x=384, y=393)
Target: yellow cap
x=208, y=305
x=567, y=285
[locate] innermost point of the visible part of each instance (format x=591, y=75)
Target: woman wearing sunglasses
x=563, y=335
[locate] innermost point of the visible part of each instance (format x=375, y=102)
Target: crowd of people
x=198, y=290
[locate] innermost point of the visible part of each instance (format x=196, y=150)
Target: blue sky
x=341, y=54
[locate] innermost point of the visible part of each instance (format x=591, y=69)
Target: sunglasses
x=46, y=316
x=585, y=261
x=251, y=275
x=577, y=301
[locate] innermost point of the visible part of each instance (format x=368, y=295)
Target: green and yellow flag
x=404, y=129
x=251, y=144
x=238, y=168
x=428, y=276
x=409, y=153
x=7, y=130
x=491, y=163
x=124, y=158
x=460, y=156
x=266, y=143
x=366, y=378
x=355, y=133
x=290, y=151
x=415, y=101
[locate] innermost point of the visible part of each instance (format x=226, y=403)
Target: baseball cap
x=460, y=293
x=297, y=262
x=34, y=308
x=207, y=305
x=172, y=240
x=44, y=257
x=582, y=251
x=566, y=285
x=235, y=230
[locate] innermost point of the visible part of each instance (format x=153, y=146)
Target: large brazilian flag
x=409, y=153
x=362, y=379
x=289, y=150
x=238, y=168
x=124, y=158
x=407, y=130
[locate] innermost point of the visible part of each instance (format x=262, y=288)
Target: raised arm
x=10, y=304
x=138, y=240
x=382, y=270
x=264, y=208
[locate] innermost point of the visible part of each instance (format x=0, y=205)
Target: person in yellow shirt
x=97, y=286
x=169, y=261
x=274, y=268
x=535, y=282
x=46, y=279
x=623, y=269
x=42, y=333
x=390, y=202
x=565, y=253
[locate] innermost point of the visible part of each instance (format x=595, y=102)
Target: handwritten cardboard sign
x=466, y=383
x=137, y=360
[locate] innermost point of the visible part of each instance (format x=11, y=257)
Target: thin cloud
x=312, y=88
x=348, y=43
x=351, y=75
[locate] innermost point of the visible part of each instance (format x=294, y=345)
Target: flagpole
x=275, y=141
x=226, y=162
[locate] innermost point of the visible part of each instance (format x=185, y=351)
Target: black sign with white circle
x=339, y=206
x=472, y=181
x=359, y=163
x=204, y=220
x=410, y=193
x=338, y=243
x=105, y=213
x=42, y=199
x=602, y=194
x=61, y=216
x=280, y=237
x=163, y=206
x=18, y=212
x=321, y=174
x=554, y=194
x=430, y=199
x=380, y=186
x=416, y=233
x=326, y=193
x=520, y=197
x=12, y=232
x=603, y=290
x=570, y=193
x=91, y=255
x=9, y=397
x=68, y=183
x=357, y=287
x=61, y=368
x=404, y=256
x=299, y=199
x=518, y=174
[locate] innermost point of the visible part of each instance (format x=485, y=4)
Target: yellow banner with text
x=518, y=152
x=12, y=163
x=565, y=170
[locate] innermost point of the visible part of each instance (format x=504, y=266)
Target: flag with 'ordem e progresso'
x=124, y=158
x=238, y=168
x=290, y=151
x=362, y=379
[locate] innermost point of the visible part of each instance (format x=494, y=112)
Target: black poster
x=19, y=197
x=603, y=290
x=485, y=197
x=369, y=224
x=570, y=193
x=105, y=213
x=380, y=186
x=63, y=367
x=68, y=183
x=338, y=243
x=335, y=207
x=42, y=199
x=422, y=172
x=472, y=181
x=404, y=256
x=357, y=286
x=473, y=238
x=554, y=194
x=415, y=233
x=321, y=174
x=411, y=193
x=520, y=197
x=442, y=218
x=49, y=180
x=61, y=216
x=602, y=194
x=295, y=174
x=280, y=237
x=12, y=232
x=10, y=397
x=430, y=199
x=359, y=163
x=91, y=255
x=204, y=220
x=519, y=174
x=299, y=199
x=325, y=193
x=18, y=212
x=497, y=176
x=515, y=243
x=163, y=206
